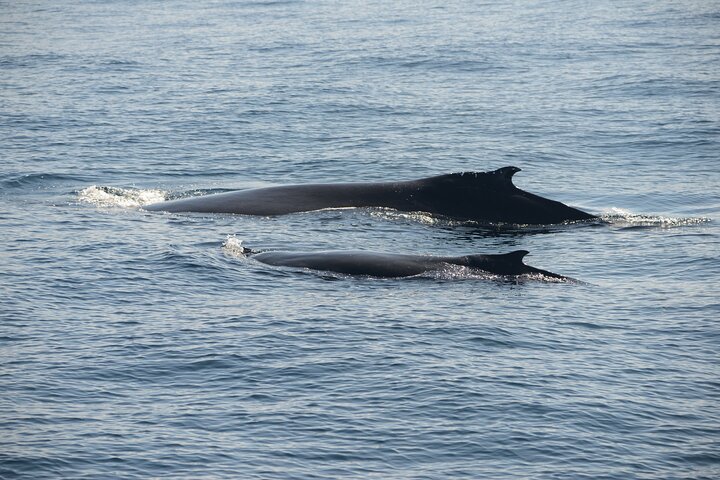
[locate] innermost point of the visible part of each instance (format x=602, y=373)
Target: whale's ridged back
x=289, y=199
x=351, y=262
x=487, y=197
x=397, y=265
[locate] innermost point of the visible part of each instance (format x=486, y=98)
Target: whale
x=486, y=197
x=393, y=265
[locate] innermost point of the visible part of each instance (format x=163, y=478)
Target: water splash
x=420, y=217
x=459, y=272
x=625, y=219
x=233, y=247
x=493, y=228
x=102, y=196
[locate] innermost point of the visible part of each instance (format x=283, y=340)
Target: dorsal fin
x=507, y=172
x=504, y=172
x=501, y=177
x=516, y=256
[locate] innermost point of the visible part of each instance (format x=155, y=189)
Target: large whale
x=387, y=265
x=480, y=196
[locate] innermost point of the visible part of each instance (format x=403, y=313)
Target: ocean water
x=137, y=344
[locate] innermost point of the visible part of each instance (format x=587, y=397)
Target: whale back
x=387, y=265
x=351, y=262
x=488, y=197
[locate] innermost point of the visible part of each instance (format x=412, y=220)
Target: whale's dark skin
x=387, y=265
x=479, y=196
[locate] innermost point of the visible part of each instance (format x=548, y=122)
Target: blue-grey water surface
x=136, y=344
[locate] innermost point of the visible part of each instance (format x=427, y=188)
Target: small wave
x=32, y=60
x=17, y=181
x=269, y=3
x=120, y=197
x=622, y=218
x=593, y=326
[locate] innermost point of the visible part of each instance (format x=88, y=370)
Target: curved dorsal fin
x=504, y=172
x=500, y=177
x=516, y=256
x=507, y=172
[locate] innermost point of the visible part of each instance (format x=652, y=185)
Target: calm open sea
x=136, y=344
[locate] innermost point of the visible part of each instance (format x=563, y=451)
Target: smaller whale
x=487, y=197
x=390, y=265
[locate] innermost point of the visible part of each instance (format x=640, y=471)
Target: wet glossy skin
x=477, y=196
x=398, y=265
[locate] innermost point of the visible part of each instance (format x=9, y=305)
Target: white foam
x=391, y=214
x=459, y=272
x=622, y=217
x=120, y=197
x=233, y=246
